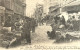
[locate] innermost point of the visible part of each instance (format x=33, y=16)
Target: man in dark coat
x=26, y=32
x=25, y=35
x=33, y=25
x=62, y=20
x=51, y=34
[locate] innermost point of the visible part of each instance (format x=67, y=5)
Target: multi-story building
x=51, y=7
x=19, y=8
x=49, y=3
x=61, y=3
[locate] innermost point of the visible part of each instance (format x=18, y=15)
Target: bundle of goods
x=67, y=36
x=75, y=25
x=7, y=37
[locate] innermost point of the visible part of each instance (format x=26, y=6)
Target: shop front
x=2, y=16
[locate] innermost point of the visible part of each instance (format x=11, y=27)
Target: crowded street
x=41, y=34
x=39, y=24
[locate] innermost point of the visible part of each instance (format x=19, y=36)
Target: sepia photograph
x=39, y=24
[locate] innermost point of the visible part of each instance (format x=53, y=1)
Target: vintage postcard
x=39, y=24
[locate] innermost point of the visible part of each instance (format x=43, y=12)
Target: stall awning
x=72, y=7
x=75, y=8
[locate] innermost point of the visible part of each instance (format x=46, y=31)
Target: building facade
x=49, y=3
x=61, y=3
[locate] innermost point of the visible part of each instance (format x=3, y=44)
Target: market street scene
x=26, y=23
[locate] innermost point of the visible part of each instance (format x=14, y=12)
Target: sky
x=31, y=4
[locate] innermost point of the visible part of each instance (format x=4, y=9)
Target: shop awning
x=75, y=8
x=72, y=7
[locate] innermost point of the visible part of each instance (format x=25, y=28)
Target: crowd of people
x=59, y=25
x=27, y=26
x=22, y=27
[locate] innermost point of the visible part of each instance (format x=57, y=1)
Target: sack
x=7, y=28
